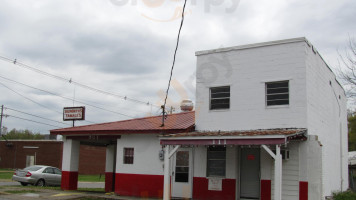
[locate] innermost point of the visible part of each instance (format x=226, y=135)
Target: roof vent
x=186, y=105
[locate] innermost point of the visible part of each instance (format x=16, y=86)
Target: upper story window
x=128, y=155
x=277, y=93
x=220, y=98
x=216, y=166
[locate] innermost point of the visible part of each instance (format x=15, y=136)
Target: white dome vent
x=186, y=105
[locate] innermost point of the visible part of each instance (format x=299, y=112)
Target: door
x=250, y=173
x=182, y=174
x=48, y=176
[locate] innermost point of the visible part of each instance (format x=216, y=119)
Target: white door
x=182, y=174
x=250, y=173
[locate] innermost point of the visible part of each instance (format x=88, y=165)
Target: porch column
x=278, y=174
x=70, y=163
x=109, y=168
x=277, y=171
x=167, y=177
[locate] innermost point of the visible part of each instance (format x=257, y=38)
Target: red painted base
x=200, y=189
x=303, y=190
x=139, y=185
x=69, y=180
x=109, y=177
x=266, y=190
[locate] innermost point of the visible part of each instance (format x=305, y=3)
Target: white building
x=270, y=123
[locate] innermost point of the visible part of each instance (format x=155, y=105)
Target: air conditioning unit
x=284, y=153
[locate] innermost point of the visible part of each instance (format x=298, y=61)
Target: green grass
x=6, y=169
x=348, y=195
x=91, y=178
x=20, y=191
x=6, y=175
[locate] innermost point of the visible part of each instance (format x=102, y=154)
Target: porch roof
x=239, y=137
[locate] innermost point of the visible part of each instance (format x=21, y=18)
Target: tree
x=352, y=133
x=347, y=73
x=23, y=134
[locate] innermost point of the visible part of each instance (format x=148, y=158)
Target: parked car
x=39, y=175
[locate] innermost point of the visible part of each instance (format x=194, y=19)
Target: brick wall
x=91, y=161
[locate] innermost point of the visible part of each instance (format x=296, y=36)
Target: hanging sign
x=215, y=184
x=73, y=113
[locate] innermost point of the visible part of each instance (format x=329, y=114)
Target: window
x=48, y=170
x=220, y=98
x=277, y=93
x=128, y=155
x=216, y=161
x=57, y=171
x=182, y=167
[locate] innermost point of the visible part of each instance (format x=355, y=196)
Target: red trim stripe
x=303, y=190
x=139, y=185
x=109, y=178
x=69, y=180
x=266, y=190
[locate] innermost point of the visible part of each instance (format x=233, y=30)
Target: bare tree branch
x=347, y=68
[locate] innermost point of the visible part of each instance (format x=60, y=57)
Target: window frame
x=217, y=149
x=128, y=155
x=210, y=98
x=283, y=93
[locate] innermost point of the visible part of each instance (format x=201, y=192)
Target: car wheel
x=23, y=184
x=40, y=183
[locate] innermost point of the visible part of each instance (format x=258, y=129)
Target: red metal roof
x=174, y=123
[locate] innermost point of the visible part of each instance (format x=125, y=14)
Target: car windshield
x=32, y=168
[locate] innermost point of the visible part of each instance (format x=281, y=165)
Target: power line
x=33, y=121
x=29, y=99
x=174, y=60
x=35, y=115
x=37, y=102
x=67, y=98
x=16, y=62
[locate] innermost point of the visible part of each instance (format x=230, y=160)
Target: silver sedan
x=39, y=175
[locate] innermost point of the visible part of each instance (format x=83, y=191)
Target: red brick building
x=21, y=153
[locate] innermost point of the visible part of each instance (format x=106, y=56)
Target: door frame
x=190, y=177
x=238, y=185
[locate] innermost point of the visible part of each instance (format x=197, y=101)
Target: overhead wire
x=16, y=62
x=5, y=107
x=67, y=98
x=29, y=99
x=174, y=60
x=33, y=121
x=35, y=102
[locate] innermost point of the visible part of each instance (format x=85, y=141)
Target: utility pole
x=163, y=116
x=2, y=113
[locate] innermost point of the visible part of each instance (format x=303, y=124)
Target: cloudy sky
x=125, y=47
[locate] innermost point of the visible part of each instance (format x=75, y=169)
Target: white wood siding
x=290, y=174
x=146, y=158
x=326, y=111
x=246, y=72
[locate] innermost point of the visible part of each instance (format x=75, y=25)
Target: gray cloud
x=116, y=49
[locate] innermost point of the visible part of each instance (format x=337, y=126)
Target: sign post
x=73, y=113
